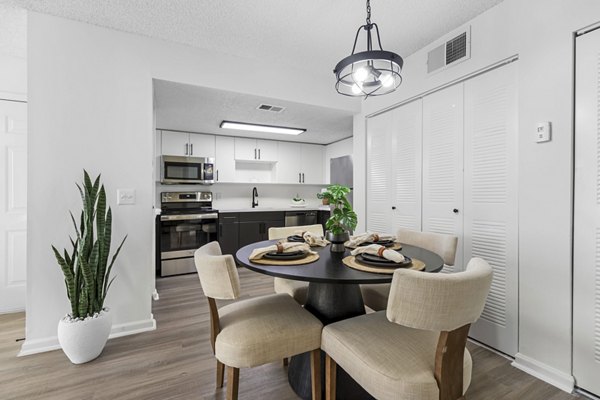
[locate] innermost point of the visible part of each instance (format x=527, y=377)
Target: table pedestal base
x=330, y=303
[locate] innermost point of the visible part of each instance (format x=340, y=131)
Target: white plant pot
x=84, y=340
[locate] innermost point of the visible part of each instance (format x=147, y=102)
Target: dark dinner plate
x=377, y=261
x=296, y=255
x=385, y=243
x=295, y=238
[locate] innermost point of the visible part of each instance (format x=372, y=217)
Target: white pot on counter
x=83, y=340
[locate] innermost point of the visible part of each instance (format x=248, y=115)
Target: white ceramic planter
x=84, y=340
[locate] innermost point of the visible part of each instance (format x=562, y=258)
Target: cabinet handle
x=191, y=149
x=255, y=154
x=393, y=207
x=299, y=177
x=259, y=154
x=455, y=211
x=186, y=149
x=303, y=177
x=217, y=175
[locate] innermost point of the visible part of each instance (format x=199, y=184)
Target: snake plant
x=86, y=268
x=343, y=218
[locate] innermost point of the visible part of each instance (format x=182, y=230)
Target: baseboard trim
x=561, y=380
x=36, y=346
x=12, y=310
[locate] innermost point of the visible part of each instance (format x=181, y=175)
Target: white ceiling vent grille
x=450, y=52
x=269, y=107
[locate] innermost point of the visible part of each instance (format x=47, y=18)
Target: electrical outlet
x=125, y=196
x=543, y=132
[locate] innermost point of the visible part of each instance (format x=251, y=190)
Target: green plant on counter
x=343, y=218
x=86, y=268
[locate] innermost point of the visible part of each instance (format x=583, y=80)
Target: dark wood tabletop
x=329, y=268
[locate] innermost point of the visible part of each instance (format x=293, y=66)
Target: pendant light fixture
x=371, y=72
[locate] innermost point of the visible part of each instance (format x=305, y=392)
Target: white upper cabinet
x=312, y=163
x=289, y=164
x=224, y=161
x=187, y=144
x=255, y=150
x=300, y=163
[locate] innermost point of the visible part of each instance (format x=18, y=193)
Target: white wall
x=334, y=150
x=13, y=53
x=91, y=107
x=541, y=33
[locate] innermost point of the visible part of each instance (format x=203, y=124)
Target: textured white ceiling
x=311, y=34
x=198, y=109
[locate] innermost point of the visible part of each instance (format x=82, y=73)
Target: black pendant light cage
x=371, y=72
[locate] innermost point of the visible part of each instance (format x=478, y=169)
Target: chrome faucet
x=254, y=197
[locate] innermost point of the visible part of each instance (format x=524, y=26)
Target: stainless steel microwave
x=187, y=170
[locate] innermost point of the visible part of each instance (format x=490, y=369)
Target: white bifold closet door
x=490, y=228
x=443, y=165
x=586, y=260
x=394, y=169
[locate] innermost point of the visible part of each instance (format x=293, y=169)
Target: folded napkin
x=368, y=237
x=380, y=251
x=312, y=239
x=281, y=247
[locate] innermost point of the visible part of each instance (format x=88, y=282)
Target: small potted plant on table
x=343, y=218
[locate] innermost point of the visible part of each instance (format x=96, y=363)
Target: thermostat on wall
x=543, y=132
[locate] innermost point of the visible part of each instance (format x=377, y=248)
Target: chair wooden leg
x=315, y=373
x=220, y=373
x=285, y=362
x=233, y=378
x=330, y=369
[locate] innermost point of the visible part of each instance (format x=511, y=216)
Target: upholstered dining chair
x=376, y=296
x=297, y=289
x=416, y=349
x=255, y=331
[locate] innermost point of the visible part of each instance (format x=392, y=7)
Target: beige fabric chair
x=256, y=331
x=376, y=296
x=416, y=349
x=297, y=289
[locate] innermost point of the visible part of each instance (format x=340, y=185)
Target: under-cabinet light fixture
x=243, y=126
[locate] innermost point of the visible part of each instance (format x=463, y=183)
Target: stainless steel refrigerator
x=341, y=172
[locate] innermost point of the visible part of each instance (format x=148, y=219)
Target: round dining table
x=333, y=295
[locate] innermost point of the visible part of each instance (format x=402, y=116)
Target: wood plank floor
x=176, y=362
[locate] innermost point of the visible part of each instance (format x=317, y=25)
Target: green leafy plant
x=86, y=268
x=343, y=218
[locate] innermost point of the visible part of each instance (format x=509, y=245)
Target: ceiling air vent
x=456, y=49
x=268, y=107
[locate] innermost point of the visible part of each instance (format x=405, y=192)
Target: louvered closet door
x=379, y=165
x=490, y=199
x=406, y=166
x=443, y=165
x=586, y=268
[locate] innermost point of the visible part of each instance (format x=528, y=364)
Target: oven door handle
x=183, y=217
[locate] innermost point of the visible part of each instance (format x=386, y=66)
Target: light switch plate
x=125, y=196
x=543, y=132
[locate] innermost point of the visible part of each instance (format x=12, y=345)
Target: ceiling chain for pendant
x=368, y=12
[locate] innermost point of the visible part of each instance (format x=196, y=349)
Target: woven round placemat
x=351, y=262
x=306, y=260
x=396, y=246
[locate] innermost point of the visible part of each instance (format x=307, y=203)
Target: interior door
x=379, y=173
x=443, y=165
x=406, y=166
x=13, y=205
x=491, y=199
x=586, y=268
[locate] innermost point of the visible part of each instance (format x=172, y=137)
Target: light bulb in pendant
x=360, y=75
x=356, y=89
x=386, y=80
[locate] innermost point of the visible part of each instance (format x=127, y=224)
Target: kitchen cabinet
x=300, y=163
x=187, y=144
x=224, y=159
x=229, y=232
x=254, y=226
x=255, y=150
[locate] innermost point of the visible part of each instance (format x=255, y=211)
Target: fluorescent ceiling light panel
x=242, y=126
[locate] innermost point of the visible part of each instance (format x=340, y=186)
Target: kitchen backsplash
x=228, y=196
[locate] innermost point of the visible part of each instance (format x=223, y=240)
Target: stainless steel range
x=187, y=222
